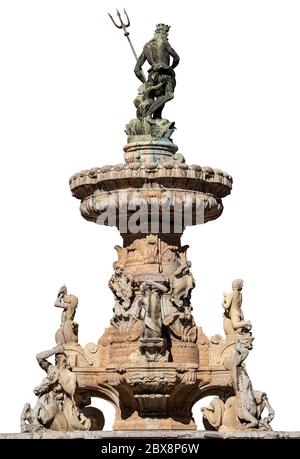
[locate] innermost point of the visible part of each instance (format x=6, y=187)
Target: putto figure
x=161, y=82
x=68, y=330
x=234, y=322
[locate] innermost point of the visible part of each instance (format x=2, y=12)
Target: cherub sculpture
x=68, y=330
x=234, y=322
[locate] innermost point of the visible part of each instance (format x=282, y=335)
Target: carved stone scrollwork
x=150, y=250
x=178, y=314
x=187, y=375
x=121, y=285
x=113, y=208
x=167, y=297
x=117, y=376
x=124, y=323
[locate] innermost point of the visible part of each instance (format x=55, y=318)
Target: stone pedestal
x=153, y=358
x=150, y=152
x=155, y=435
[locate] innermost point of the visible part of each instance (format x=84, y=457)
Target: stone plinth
x=151, y=152
x=163, y=435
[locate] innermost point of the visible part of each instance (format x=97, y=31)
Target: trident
x=124, y=26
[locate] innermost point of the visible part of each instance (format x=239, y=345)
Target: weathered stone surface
x=153, y=362
x=120, y=208
x=167, y=174
x=234, y=322
x=242, y=411
x=151, y=152
x=59, y=406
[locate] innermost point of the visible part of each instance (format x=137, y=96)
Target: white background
x=66, y=89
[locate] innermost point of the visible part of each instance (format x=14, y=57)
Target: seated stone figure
x=234, y=322
x=68, y=330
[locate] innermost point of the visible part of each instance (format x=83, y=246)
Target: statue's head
x=237, y=284
x=162, y=30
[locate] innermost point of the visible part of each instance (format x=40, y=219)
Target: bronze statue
x=159, y=87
